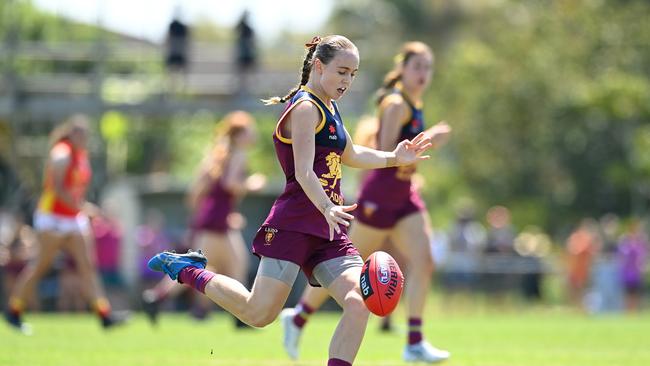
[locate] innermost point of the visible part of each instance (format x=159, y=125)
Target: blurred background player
x=632, y=253
x=581, y=249
x=390, y=206
x=306, y=227
x=221, y=183
x=61, y=223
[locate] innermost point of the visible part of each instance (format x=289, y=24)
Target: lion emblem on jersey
x=333, y=161
x=369, y=208
x=269, y=235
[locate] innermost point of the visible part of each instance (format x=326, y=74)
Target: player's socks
x=14, y=312
x=16, y=306
x=415, y=330
x=151, y=305
x=303, y=312
x=13, y=316
x=102, y=307
x=337, y=362
x=195, y=277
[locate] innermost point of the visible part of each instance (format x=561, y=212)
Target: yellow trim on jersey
x=318, y=128
x=395, y=98
x=309, y=90
x=418, y=104
x=46, y=203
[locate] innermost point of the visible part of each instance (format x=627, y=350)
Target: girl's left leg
x=257, y=307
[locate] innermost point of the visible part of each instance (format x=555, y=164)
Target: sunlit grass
x=518, y=336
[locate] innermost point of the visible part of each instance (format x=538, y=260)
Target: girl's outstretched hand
x=410, y=151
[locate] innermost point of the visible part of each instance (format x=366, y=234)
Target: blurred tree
x=550, y=102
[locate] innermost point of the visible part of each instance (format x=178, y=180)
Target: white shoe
x=291, y=333
x=424, y=352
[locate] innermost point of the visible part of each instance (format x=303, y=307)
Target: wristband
x=391, y=161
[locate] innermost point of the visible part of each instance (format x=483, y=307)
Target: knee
x=259, y=316
x=355, y=306
x=260, y=319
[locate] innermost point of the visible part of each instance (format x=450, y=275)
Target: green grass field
x=540, y=337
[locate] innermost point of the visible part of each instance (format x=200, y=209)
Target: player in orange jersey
x=61, y=223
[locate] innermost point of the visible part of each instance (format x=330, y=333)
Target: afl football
x=381, y=283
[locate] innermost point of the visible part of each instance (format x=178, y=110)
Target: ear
x=318, y=66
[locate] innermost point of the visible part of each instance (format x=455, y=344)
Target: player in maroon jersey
x=221, y=182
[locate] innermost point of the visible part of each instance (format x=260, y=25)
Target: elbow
x=302, y=176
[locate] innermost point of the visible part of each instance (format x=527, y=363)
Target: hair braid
x=304, y=78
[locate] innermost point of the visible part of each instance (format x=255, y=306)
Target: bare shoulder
x=305, y=112
x=394, y=106
x=394, y=99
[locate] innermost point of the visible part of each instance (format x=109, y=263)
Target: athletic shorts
x=386, y=215
x=305, y=250
x=61, y=224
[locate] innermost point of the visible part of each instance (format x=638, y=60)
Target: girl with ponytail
x=307, y=225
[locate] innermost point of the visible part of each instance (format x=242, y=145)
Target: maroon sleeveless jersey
x=292, y=210
x=213, y=209
x=391, y=187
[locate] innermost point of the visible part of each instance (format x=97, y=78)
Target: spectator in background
x=108, y=248
x=609, y=233
x=108, y=241
x=501, y=235
x=499, y=253
x=152, y=238
x=532, y=245
x=177, y=46
x=581, y=249
x=606, y=294
x=245, y=51
x=632, y=252
x=466, y=242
